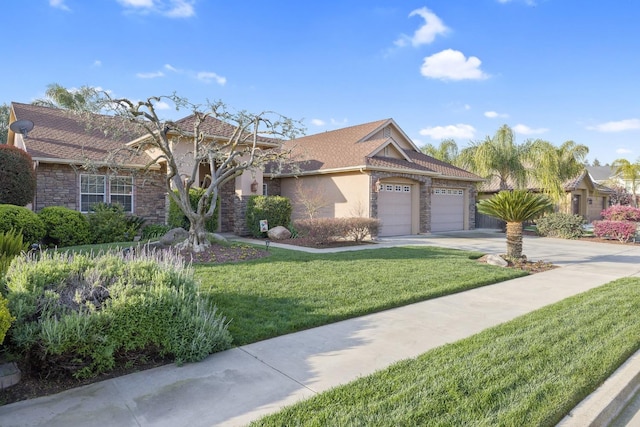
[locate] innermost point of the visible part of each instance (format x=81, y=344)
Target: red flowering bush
x=620, y=230
x=621, y=213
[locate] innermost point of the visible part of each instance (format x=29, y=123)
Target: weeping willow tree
x=515, y=207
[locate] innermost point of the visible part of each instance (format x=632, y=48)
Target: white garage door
x=394, y=209
x=447, y=209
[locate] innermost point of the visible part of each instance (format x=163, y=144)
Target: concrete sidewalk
x=240, y=385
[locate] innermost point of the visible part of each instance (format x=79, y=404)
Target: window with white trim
x=94, y=189
x=406, y=188
x=398, y=188
x=389, y=187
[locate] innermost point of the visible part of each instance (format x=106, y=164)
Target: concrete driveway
x=237, y=386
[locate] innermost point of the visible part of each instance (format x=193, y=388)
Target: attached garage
x=394, y=209
x=447, y=209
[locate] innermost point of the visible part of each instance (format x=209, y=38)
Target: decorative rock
x=217, y=237
x=9, y=375
x=279, y=233
x=497, y=260
x=174, y=236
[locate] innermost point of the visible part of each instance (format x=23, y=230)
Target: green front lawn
x=530, y=371
x=291, y=290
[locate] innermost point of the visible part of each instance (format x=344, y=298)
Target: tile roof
x=493, y=185
x=66, y=136
x=350, y=147
x=215, y=128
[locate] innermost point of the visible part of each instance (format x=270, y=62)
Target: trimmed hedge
x=24, y=220
x=81, y=315
x=177, y=218
x=17, y=176
x=559, y=224
x=275, y=209
x=64, y=227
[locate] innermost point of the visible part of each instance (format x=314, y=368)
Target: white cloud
x=460, y=130
x=342, y=122
x=59, y=4
x=452, y=65
x=170, y=8
x=97, y=63
x=151, y=75
x=170, y=68
x=495, y=115
x=426, y=34
x=317, y=122
x=162, y=106
x=527, y=2
x=619, y=126
x=623, y=151
x=526, y=130
x=207, y=77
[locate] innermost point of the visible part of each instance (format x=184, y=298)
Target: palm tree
x=515, y=207
x=85, y=99
x=629, y=172
x=446, y=151
x=498, y=157
x=552, y=166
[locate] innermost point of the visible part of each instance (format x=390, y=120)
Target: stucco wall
x=339, y=195
x=58, y=185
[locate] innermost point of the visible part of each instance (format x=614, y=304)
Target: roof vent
x=22, y=126
x=387, y=132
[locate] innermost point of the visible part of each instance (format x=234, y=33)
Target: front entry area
x=447, y=209
x=394, y=209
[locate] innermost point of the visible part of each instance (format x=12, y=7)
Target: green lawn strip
x=530, y=371
x=292, y=290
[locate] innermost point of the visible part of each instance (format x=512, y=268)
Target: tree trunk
x=197, y=240
x=514, y=239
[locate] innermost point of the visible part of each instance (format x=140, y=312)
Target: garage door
x=447, y=209
x=394, y=209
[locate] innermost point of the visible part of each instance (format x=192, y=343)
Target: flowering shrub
x=620, y=230
x=621, y=213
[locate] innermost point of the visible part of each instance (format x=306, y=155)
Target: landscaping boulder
x=279, y=233
x=173, y=236
x=497, y=260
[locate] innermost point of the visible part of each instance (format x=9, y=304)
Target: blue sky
x=552, y=69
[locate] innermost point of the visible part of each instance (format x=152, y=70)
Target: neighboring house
x=375, y=170
x=583, y=197
x=78, y=165
x=606, y=175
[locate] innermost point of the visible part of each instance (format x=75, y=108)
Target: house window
x=264, y=189
x=121, y=191
x=406, y=188
x=389, y=187
x=399, y=188
x=94, y=189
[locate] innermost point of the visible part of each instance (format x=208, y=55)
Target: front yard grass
x=291, y=290
x=530, y=371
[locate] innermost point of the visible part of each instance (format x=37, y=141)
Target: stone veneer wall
x=227, y=203
x=425, y=185
x=58, y=185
